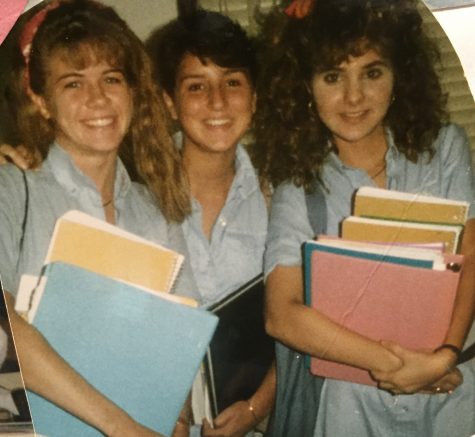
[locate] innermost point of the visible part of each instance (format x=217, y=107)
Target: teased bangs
x=84, y=53
x=332, y=55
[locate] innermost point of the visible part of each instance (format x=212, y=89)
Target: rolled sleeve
x=288, y=228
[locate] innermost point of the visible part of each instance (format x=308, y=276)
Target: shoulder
x=451, y=143
x=12, y=185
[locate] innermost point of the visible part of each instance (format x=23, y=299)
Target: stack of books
x=102, y=303
x=392, y=276
x=395, y=217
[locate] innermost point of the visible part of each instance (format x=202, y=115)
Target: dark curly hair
x=291, y=140
x=206, y=34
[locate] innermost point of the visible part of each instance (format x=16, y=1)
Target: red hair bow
x=299, y=8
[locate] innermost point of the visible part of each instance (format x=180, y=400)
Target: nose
x=216, y=97
x=354, y=91
x=96, y=95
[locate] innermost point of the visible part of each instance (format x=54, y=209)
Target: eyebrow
x=377, y=63
x=77, y=74
x=227, y=72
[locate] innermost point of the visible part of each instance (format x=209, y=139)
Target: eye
x=114, y=78
x=72, y=84
x=374, y=73
x=233, y=82
x=195, y=87
x=331, y=77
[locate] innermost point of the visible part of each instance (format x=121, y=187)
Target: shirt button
x=222, y=221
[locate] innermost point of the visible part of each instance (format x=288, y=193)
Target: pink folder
x=383, y=301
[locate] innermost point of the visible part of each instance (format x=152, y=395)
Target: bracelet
x=457, y=351
x=251, y=409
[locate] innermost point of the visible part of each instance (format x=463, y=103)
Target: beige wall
x=144, y=15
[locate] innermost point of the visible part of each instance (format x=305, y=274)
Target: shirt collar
x=392, y=154
x=73, y=179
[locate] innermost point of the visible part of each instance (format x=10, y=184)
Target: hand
x=19, y=156
x=234, y=421
x=420, y=369
x=447, y=384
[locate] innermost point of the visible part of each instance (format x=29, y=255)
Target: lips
x=355, y=114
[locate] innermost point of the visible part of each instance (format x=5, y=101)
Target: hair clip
x=299, y=8
x=28, y=33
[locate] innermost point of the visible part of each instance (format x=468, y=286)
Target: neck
x=368, y=154
x=208, y=172
x=101, y=170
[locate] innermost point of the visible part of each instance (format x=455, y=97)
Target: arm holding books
x=307, y=330
x=67, y=389
x=422, y=369
x=243, y=416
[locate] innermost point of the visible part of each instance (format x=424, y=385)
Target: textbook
x=103, y=248
x=389, y=296
x=393, y=231
x=372, y=202
x=241, y=352
x=141, y=349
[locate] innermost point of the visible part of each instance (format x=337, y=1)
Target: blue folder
x=140, y=350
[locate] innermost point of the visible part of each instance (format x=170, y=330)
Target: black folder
x=240, y=352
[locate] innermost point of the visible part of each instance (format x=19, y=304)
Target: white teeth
x=99, y=122
x=217, y=122
x=354, y=114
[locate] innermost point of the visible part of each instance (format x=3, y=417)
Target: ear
x=170, y=105
x=40, y=103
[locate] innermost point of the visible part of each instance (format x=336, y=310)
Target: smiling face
x=352, y=99
x=91, y=107
x=214, y=105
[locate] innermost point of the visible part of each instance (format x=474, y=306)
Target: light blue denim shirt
x=448, y=174
x=358, y=410
x=234, y=254
x=58, y=187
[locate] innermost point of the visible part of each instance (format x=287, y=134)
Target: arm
x=67, y=389
x=239, y=418
x=305, y=329
x=427, y=368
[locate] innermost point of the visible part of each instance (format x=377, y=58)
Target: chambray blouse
x=358, y=410
x=448, y=174
x=59, y=186
x=234, y=254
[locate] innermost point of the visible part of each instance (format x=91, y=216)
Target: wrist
x=252, y=410
x=450, y=355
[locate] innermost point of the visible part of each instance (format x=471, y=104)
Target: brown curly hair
x=291, y=140
x=81, y=31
